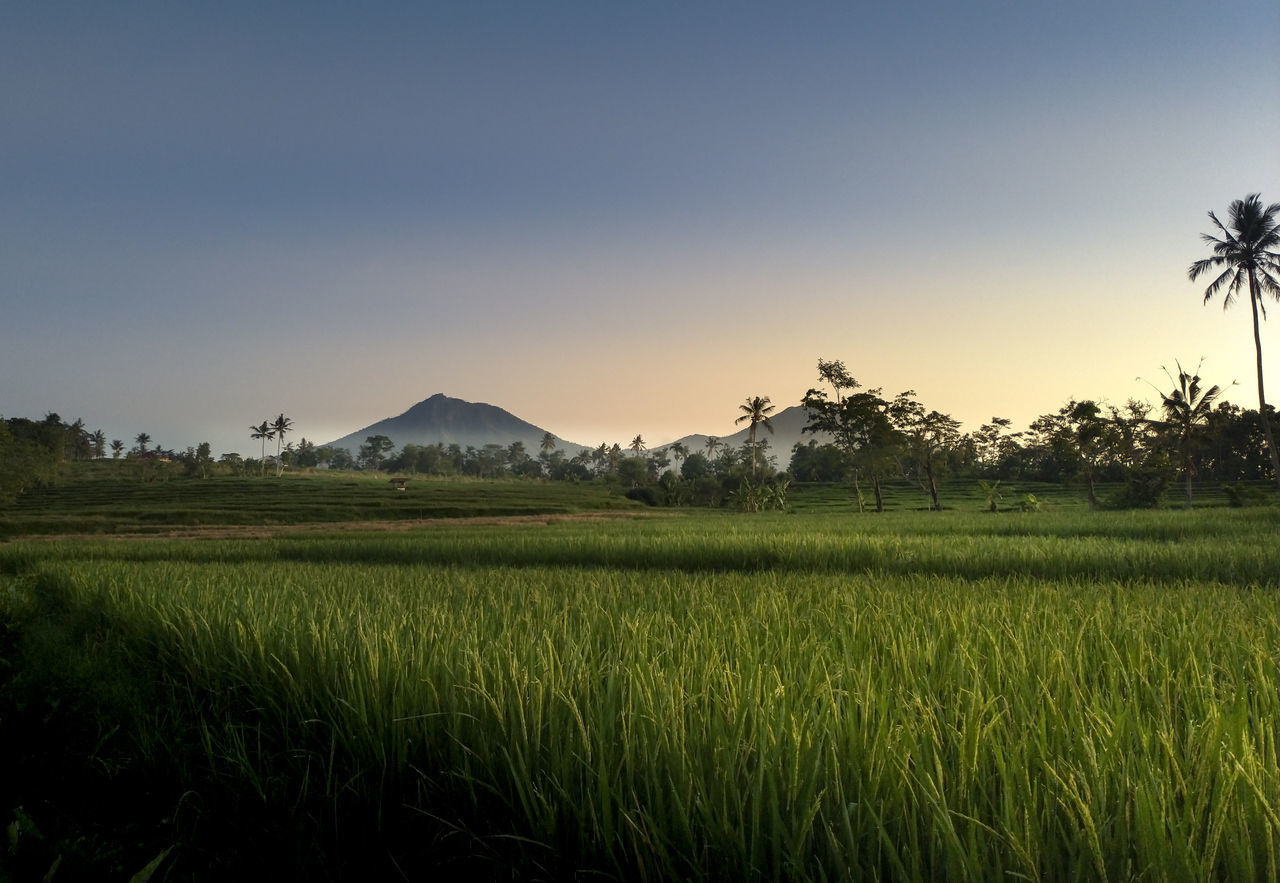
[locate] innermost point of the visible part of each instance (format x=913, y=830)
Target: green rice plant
x=769, y=698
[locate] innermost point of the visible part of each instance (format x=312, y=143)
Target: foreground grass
x=1072, y=697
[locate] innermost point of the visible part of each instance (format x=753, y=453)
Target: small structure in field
x=399, y=483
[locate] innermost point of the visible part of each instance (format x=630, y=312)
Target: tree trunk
x=1262, y=398
x=875, y=488
x=933, y=483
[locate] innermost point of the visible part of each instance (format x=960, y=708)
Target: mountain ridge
x=442, y=419
x=788, y=425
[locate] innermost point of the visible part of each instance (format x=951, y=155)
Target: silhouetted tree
x=1186, y=412
x=678, y=451
x=263, y=432
x=928, y=435
x=305, y=455
x=374, y=449
x=1248, y=253
x=756, y=411
x=858, y=422
x=280, y=426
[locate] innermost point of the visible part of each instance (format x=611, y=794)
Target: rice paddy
x=913, y=696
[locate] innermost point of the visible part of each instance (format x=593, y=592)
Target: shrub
x=1241, y=495
x=646, y=495
x=1143, y=489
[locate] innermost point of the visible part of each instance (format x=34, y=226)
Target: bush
x=1241, y=495
x=646, y=495
x=1143, y=489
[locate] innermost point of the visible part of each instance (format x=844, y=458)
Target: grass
x=108, y=497
x=1061, y=695
x=100, y=498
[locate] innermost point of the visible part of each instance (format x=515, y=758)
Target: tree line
x=875, y=438
x=867, y=438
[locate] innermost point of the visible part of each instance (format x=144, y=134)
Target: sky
x=617, y=218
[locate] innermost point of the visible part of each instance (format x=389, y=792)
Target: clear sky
x=616, y=218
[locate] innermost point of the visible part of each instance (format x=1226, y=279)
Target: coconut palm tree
x=1186, y=411
x=756, y=410
x=1248, y=254
x=678, y=452
x=712, y=444
x=98, y=439
x=143, y=440
x=263, y=432
x=280, y=426
x=637, y=445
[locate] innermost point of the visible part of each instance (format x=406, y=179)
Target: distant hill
x=787, y=426
x=445, y=420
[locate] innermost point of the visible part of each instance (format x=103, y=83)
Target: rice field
x=1043, y=696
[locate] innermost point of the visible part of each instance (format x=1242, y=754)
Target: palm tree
x=143, y=440
x=280, y=426
x=1186, y=410
x=263, y=432
x=98, y=439
x=117, y=447
x=712, y=444
x=678, y=452
x=78, y=441
x=757, y=411
x=1248, y=253
x=637, y=445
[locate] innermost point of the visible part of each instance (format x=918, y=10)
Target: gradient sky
x=615, y=218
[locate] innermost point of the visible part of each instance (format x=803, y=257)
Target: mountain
x=454, y=421
x=787, y=426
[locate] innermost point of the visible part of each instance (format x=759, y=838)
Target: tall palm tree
x=1248, y=253
x=98, y=439
x=143, y=440
x=280, y=426
x=263, y=432
x=548, y=443
x=756, y=410
x=712, y=444
x=678, y=451
x=637, y=445
x=1186, y=410
x=79, y=445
